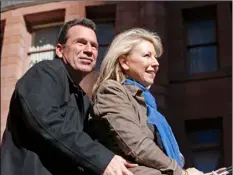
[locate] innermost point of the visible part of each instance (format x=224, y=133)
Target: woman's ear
x=124, y=62
x=59, y=50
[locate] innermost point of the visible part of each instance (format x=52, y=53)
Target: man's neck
x=84, y=80
x=76, y=76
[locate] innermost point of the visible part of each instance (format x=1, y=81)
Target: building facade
x=193, y=87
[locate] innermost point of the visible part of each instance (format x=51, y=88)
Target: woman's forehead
x=144, y=45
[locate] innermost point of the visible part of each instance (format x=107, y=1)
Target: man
x=45, y=131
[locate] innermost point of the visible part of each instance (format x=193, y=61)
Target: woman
x=124, y=116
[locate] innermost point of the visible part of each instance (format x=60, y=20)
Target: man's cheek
x=95, y=54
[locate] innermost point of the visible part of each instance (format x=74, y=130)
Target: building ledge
x=15, y=4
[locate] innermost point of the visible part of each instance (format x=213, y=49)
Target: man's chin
x=86, y=69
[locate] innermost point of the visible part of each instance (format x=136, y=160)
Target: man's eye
x=80, y=42
x=94, y=46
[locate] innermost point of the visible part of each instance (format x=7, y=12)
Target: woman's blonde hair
x=122, y=45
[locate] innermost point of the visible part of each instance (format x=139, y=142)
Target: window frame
x=104, y=21
x=199, y=124
x=37, y=28
x=102, y=14
x=208, y=12
x=38, y=20
x=33, y=31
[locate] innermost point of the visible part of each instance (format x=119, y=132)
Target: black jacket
x=45, y=131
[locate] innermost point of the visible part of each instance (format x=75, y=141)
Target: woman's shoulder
x=110, y=88
x=110, y=84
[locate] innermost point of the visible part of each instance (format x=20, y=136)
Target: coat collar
x=134, y=90
x=69, y=77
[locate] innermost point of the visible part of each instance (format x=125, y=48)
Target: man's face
x=81, y=49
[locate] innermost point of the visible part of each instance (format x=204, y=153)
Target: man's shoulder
x=55, y=65
x=53, y=68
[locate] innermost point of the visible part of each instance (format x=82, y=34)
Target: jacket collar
x=134, y=90
x=68, y=75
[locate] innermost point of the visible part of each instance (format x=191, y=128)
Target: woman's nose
x=155, y=62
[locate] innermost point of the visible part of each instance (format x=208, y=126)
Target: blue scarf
x=157, y=119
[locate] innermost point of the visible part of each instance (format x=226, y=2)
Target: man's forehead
x=79, y=29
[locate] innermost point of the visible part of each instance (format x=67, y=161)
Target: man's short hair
x=62, y=37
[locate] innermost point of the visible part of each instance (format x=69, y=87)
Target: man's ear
x=59, y=50
x=124, y=62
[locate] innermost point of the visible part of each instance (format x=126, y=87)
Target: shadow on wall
x=2, y=35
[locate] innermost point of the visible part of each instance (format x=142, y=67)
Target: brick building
x=193, y=87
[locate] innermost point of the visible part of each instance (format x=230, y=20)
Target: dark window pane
x=202, y=59
x=207, y=160
x=210, y=136
x=105, y=33
x=101, y=54
x=205, y=136
x=201, y=31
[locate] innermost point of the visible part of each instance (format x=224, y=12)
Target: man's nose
x=88, y=49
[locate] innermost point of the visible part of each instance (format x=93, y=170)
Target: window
x=105, y=34
x=44, y=28
x=44, y=40
x=104, y=17
x=200, y=25
x=205, y=137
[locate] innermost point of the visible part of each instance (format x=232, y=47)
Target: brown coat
x=119, y=121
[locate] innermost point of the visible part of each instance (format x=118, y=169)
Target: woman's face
x=141, y=64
